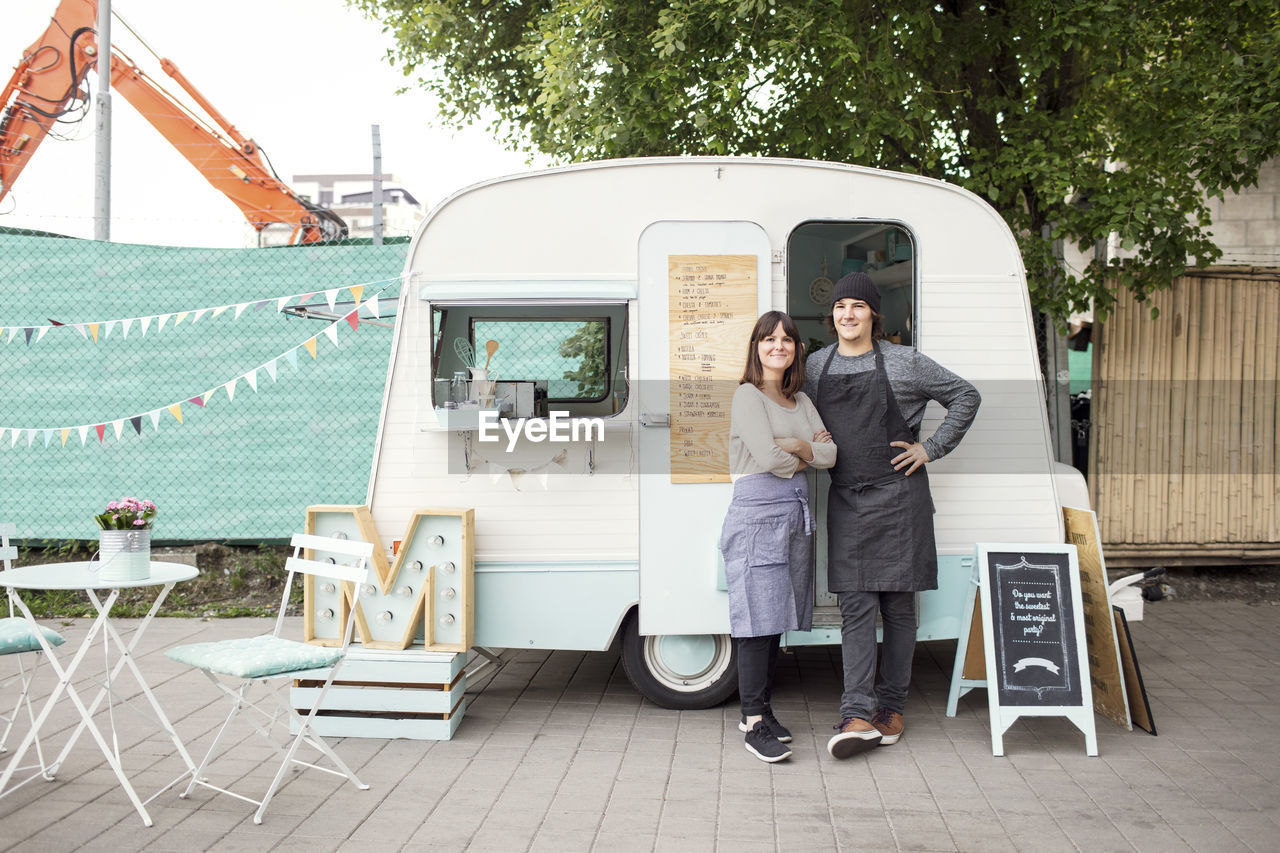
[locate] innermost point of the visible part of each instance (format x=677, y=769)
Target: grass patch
x=234, y=581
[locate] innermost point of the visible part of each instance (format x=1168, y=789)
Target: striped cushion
x=255, y=657
x=16, y=636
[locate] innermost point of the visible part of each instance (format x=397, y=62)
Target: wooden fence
x=1183, y=450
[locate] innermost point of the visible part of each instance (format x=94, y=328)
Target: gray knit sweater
x=915, y=379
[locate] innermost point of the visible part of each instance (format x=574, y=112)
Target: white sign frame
x=1004, y=716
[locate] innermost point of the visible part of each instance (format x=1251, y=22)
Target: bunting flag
x=100, y=330
x=202, y=400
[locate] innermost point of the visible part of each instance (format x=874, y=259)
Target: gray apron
x=767, y=543
x=879, y=521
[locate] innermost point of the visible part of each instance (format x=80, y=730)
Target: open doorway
x=819, y=252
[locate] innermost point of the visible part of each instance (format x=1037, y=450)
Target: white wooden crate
x=409, y=693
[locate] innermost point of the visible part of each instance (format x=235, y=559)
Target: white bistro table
x=86, y=577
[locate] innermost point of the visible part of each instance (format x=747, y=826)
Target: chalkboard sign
x=1033, y=632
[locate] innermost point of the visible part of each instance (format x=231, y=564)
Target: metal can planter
x=125, y=555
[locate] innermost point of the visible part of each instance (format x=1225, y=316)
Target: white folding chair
x=272, y=658
x=17, y=639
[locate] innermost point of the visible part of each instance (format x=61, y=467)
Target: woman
x=767, y=539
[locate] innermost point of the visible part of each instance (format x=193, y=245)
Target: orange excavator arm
x=42, y=90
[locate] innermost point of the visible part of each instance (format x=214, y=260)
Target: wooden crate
x=379, y=693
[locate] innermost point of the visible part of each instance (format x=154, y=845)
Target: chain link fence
x=182, y=376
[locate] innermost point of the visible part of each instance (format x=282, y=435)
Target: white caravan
x=620, y=294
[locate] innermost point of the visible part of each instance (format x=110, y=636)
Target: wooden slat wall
x=1183, y=449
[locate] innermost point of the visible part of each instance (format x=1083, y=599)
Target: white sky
x=306, y=79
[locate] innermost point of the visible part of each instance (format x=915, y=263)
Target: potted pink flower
x=124, y=539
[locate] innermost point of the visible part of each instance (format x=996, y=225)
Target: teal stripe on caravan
x=506, y=290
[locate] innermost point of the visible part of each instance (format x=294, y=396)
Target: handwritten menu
x=712, y=309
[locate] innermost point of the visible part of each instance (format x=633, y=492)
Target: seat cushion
x=16, y=636
x=255, y=657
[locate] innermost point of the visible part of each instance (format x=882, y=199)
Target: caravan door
x=701, y=286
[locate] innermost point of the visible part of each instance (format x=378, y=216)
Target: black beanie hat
x=857, y=285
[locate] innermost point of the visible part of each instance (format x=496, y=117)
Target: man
x=871, y=395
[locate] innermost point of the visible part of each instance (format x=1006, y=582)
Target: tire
x=685, y=672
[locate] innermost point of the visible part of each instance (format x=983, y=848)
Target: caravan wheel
x=681, y=671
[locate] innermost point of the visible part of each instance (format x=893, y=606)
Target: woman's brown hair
x=793, y=376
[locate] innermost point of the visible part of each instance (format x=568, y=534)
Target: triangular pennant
x=66, y=431
x=2, y=431
x=13, y=333
x=145, y=323
x=84, y=434
x=124, y=328
x=310, y=344
x=199, y=401
x=13, y=437
x=217, y=311
x=331, y=332
x=240, y=309
x=281, y=302
x=354, y=319
x=252, y=378
x=100, y=429
x=117, y=425
x=163, y=318
x=155, y=419
x=304, y=297
x=356, y=292
x=207, y=395
x=41, y=333
x=29, y=329
x=106, y=329
x=176, y=411
x=182, y=315
x=260, y=304
x=93, y=330
x=136, y=423
x=270, y=367
x=196, y=317
x=372, y=304
x=48, y=434
x=231, y=390
x=292, y=356
x=331, y=296
x=31, y=437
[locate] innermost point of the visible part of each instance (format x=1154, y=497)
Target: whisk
x=463, y=350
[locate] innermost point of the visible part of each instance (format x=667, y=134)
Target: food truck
x=580, y=460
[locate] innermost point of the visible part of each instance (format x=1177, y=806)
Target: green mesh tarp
x=241, y=464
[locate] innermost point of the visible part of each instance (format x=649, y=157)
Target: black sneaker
x=778, y=729
x=761, y=743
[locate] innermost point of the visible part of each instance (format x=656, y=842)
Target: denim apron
x=879, y=521
x=767, y=543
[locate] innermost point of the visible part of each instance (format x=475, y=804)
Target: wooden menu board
x=711, y=309
x=1109, y=697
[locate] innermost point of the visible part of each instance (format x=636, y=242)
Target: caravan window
x=572, y=354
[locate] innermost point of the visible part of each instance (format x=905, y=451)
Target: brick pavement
x=558, y=753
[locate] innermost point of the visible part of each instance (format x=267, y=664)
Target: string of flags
x=117, y=426
x=97, y=330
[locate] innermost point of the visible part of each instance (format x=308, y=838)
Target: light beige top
x=755, y=421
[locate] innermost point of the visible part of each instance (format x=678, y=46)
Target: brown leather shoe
x=854, y=736
x=890, y=725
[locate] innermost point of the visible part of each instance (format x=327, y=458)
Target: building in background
x=351, y=197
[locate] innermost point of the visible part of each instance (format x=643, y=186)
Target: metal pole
x=102, y=128
x=377, y=185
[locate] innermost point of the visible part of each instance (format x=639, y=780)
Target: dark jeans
x=757, y=660
x=861, y=695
